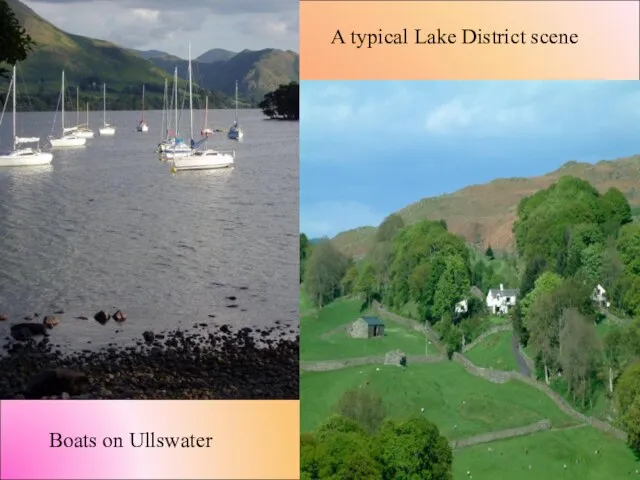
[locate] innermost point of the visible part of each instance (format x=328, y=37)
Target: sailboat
x=142, y=125
x=206, y=131
x=82, y=130
x=235, y=132
x=22, y=157
x=205, y=159
x=175, y=147
x=68, y=138
x=106, y=130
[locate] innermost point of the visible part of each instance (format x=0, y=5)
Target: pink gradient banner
x=247, y=439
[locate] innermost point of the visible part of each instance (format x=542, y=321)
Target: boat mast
x=190, y=93
x=87, y=114
x=104, y=104
x=236, y=114
x=175, y=91
x=165, y=124
x=142, y=110
x=77, y=105
x=63, y=99
x=13, y=81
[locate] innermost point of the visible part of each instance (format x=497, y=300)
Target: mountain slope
x=81, y=57
x=257, y=72
x=89, y=62
x=484, y=214
x=215, y=55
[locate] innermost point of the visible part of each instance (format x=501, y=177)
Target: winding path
x=515, y=347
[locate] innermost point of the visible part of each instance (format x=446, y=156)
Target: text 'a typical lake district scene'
x=148, y=206
x=490, y=333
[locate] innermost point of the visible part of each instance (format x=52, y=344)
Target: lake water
x=108, y=226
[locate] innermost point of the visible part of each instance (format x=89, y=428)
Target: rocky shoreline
x=177, y=364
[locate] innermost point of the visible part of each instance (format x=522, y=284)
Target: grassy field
x=547, y=453
x=323, y=337
x=494, y=352
x=459, y=403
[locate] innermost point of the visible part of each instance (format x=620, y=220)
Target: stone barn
x=367, y=327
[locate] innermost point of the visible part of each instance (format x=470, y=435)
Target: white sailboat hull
x=172, y=154
x=70, y=141
x=84, y=133
x=142, y=128
x=107, y=131
x=25, y=157
x=204, y=160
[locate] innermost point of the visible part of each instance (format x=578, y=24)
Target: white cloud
x=332, y=217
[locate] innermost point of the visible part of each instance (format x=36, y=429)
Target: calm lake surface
x=107, y=227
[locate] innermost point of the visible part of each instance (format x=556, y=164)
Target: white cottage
x=462, y=307
x=599, y=296
x=499, y=301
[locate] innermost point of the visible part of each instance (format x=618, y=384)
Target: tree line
x=570, y=238
x=282, y=103
x=359, y=443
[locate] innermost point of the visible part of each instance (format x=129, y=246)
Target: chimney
x=501, y=287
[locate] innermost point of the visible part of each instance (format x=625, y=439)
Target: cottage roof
x=373, y=321
x=476, y=292
x=507, y=292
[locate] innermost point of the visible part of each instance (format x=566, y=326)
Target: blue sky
x=369, y=148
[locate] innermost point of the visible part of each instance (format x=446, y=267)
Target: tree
x=389, y=227
x=324, y=271
x=489, y=253
x=543, y=327
x=545, y=219
x=413, y=449
x=363, y=406
x=341, y=449
x=282, y=103
x=452, y=286
x=15, y=42
x=628, y=399
x=614, y=348
x=616, y=210
x=366, y=284
x=338, y=451
x=350, y=279
x=547, y=282
x=578, y=352
x=629, y=247
x=533, y=269
x=305, y=250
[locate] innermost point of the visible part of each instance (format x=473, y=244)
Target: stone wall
x=495, y=376
x=395, y=357
x=326, y=365
x=501, y=434
x=492, y=331
x=499, y=376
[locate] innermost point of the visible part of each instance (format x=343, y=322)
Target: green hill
x=257, y=72
x=484, y=214
x=88, y=63
x=215, y=55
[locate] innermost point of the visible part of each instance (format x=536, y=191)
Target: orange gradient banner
x=605, y=38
